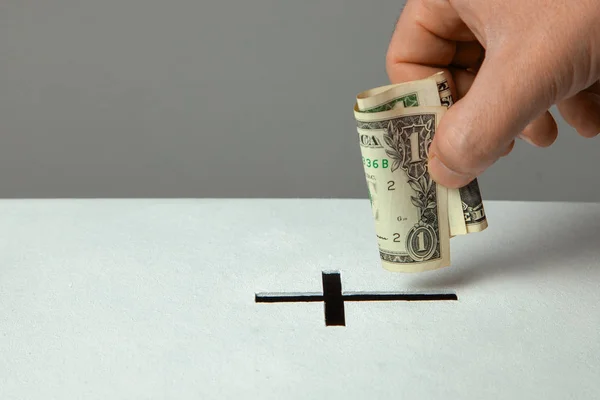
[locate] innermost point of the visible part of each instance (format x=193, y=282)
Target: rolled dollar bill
x=414, y=216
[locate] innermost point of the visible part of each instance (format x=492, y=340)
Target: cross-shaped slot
x=333, y=298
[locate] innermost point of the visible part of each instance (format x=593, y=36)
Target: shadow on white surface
x=557, y=245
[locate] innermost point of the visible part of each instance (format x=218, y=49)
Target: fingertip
x=541, y=132
x=588, y=134
x=509, y=149
x=459, y=152
x=446, y=176
x=582, y=112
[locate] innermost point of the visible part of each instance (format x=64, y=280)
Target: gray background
x=182, y=98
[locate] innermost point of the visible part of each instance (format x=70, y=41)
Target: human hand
x=510, y=61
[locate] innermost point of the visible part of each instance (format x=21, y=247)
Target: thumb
x=479, y=128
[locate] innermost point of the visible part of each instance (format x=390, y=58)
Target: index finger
x=425, y=40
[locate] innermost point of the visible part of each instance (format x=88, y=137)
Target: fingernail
x=445, y=176
x=525, y=138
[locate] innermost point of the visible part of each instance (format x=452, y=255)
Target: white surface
x=154, y=299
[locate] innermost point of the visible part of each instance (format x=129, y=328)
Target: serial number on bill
x=375, y=162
